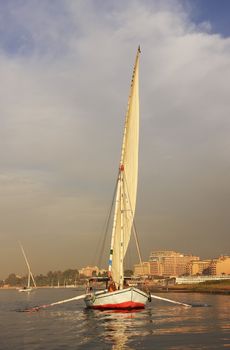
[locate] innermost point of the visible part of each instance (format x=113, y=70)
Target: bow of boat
x=129, y=298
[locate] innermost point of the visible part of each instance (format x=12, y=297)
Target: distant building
x=142, y=269
x=213, y=267
x=89, y=271
x=103, y=272
x=220, y=266
x=169, y=263
x=198, y=267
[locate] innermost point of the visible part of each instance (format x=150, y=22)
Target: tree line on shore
x=52, y=278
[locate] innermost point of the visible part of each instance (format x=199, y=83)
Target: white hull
x=129, y=298
x=28, y=290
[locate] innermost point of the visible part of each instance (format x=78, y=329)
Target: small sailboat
x=118, y=294
x=27, y=288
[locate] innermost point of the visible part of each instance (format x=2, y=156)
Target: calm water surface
x=71, y=326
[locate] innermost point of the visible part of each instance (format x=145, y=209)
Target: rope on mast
x=133, y=225
x=107, y=222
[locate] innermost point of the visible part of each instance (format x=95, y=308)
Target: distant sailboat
x=27, y=288
x=119, y=295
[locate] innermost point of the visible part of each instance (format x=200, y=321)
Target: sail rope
x=105, y=229
x=133, y=224
x=134, y=230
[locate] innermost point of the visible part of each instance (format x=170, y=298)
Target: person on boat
x=112, y=286
x=126, y=284
x=89, y=287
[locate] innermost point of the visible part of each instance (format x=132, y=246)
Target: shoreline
x=44, y=287
x=191, y=290
x=185, y=289
x=208, y=288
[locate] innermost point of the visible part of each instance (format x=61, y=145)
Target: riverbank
x=77, y=288
x=214, y=287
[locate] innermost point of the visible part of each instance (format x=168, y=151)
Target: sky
x=65, y=69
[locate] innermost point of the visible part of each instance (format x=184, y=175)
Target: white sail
x=127, y=183
x=30, y=275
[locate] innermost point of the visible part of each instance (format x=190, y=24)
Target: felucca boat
x=27, y=288
x=118, y=294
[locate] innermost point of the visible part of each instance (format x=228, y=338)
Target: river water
x=71, y=326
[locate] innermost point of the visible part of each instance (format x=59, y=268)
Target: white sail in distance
x=127, y=182
x=30, y=275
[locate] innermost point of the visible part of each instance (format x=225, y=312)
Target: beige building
x=220, y=266
x=198, y=267
x=169, y=263
x=156, y=268
x=142, y=269
x=214, y=267
x=89, y=271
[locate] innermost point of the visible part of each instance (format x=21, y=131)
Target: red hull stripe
x=125, y=305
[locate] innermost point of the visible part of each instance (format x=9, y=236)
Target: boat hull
x=27, y=290
x=125, y=299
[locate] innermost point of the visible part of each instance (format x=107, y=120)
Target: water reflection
x=124, y=330
x=70, y=326
x=116, y=330
x=119, y=328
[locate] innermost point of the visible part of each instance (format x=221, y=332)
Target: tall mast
x=28, y=283
x=117, y=203
x=27, y=263
x=121, y=279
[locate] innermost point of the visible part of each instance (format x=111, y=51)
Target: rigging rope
x=106, y=228
x=133, y=225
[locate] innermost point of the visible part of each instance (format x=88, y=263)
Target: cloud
x=65, y=70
